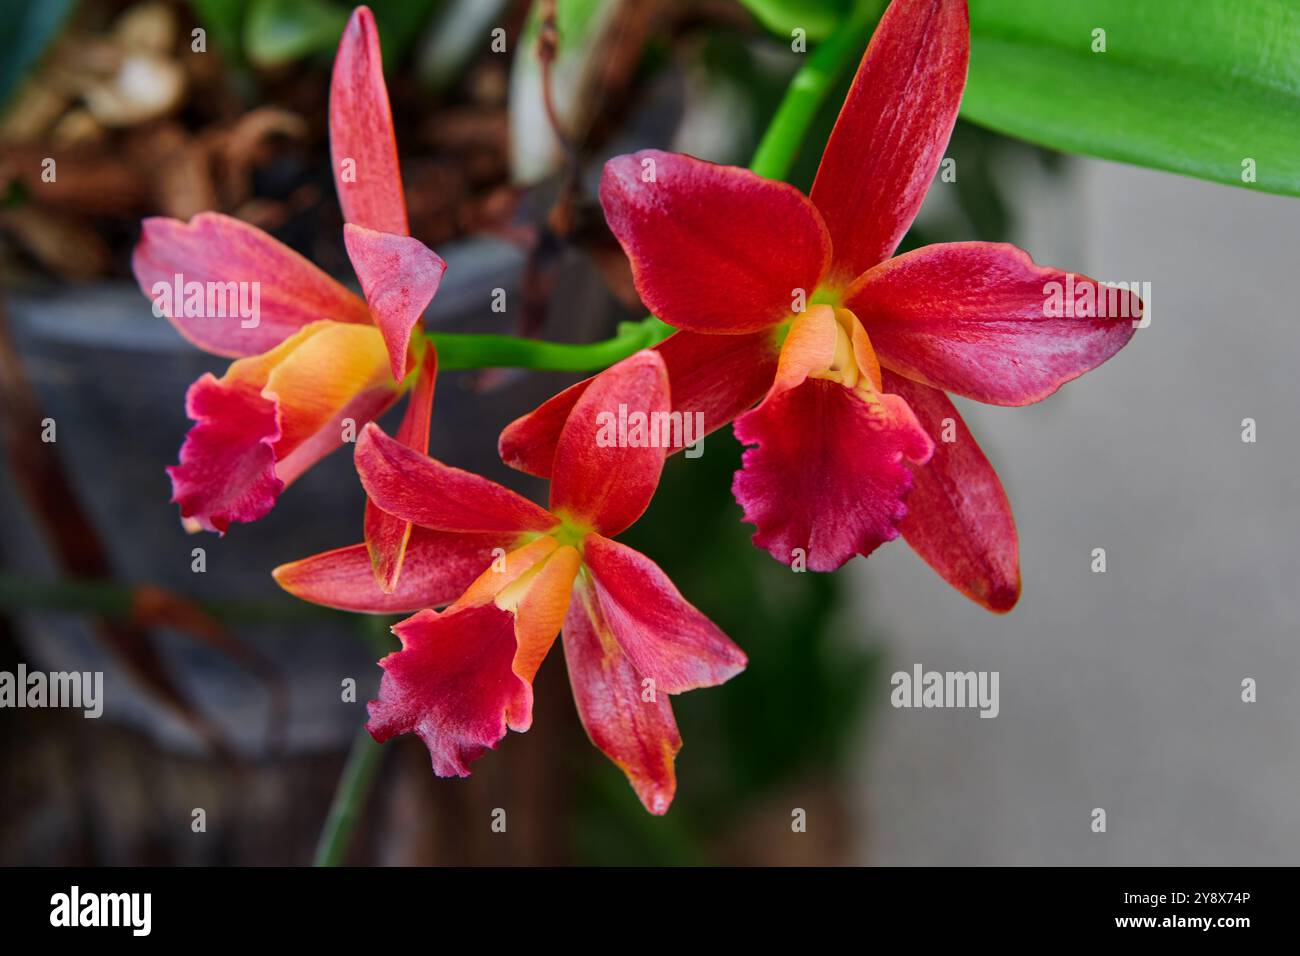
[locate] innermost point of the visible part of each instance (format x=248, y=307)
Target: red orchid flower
x=798, y=303
x=464, y=676
x=310, y=354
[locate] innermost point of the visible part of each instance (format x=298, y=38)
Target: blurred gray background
x=1121, y=690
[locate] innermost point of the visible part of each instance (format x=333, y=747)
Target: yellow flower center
x=570, y=532
x=854, y=364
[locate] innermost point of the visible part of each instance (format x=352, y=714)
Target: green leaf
x=279, y=31
x=1208, y=89
x=399, y=23
x=817, y=18
x=224, y=20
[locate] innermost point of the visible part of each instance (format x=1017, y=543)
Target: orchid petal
x=508, y=569
x=363, y=146
x=713, y=248
x=453, y=685
x=635, y=730
x=891, y=132
x=976, y=318
x=528, y=443
x=400, y=276
x=602, y=478
x=338, y=372
x=718, y=376
x=387, y=535
x=227, y=461
x=958, y=517
x=828, y=476
x=234, y=264
x=415, y=488
x=273, y=415
x=540, y=608
x=464, y=676
x=533, y=582
x=664, y=636
x=437, y=567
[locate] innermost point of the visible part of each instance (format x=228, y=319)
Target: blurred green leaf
x=742, y=85
x=224, y=20
x=1194, y=88
x=29, y=28
x=399, y=23
x=817, y=18
x=280, y=31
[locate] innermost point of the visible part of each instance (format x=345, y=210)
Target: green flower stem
x=349, y=800
x=807, y=90
x=115, y=600
x=70, y=595
x=467, y=350
x=773, y=158
x=359, y=771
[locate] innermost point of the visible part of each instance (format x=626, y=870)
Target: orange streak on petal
x=506, y=570
x=387, y=535
x=809, y=347
x=323, y=374
x=541, y=609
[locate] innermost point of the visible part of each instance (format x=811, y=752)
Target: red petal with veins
x=664, y=636
x=322, y=377
x=828, y=476
x=528, y=443
x=717, y=375
x=605, y=474
x=958, y=517
x=464, y=676
x=453, y=684
x=363, y=146
x=227, y=461
x=271, y=416
x=632, y=727
x=416, y=488
x=976, y=318
x=437, y=567
x=892, y=131
x=713, y=248
x=387, y=535
x=400, y=276
x=213, y=250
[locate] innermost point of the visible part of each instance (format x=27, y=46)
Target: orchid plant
x=790, y=316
